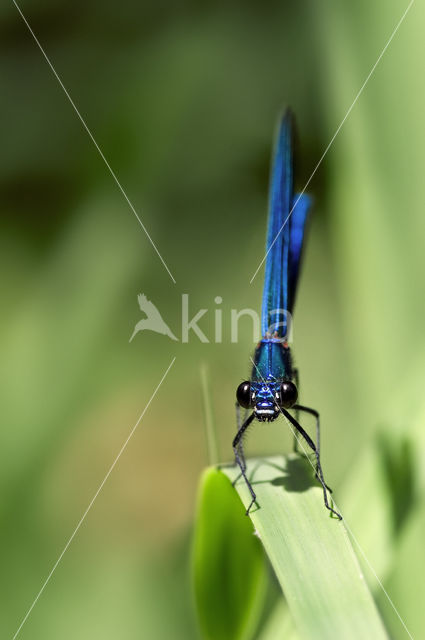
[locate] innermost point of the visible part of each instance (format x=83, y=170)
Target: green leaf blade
x=228, y=563
x=310, y=552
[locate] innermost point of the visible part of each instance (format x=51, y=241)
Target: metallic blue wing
x=300, y=208
x=276, y=283
x=287, y=220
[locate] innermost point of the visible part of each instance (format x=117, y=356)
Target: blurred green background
x=183, y=99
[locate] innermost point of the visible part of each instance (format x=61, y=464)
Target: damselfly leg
x=297, y=384
x=312, y=412
x=319, y=472
x=240, y=459
x=240, y=444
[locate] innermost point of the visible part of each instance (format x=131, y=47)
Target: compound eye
x=243, y=395
x=288, y=394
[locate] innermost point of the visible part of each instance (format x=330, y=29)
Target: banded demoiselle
x=272, y=389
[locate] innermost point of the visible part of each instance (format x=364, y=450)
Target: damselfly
x=272, y=389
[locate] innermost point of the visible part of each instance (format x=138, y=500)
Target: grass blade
x=309, y=551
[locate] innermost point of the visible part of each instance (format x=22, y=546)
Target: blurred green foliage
x=183, y=100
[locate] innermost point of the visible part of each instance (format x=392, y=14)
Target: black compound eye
x=243, y=395
x=288, y=394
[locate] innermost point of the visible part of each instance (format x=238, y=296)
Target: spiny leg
x=236, y=448
x=312, y=412
x=240, y=445
x=319, y=472
x=296, y=376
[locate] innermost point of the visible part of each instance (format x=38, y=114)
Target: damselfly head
x=260, y=397
x=267, y=400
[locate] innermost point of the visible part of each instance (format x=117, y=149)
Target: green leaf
x=310, y=552
x=228, y=563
